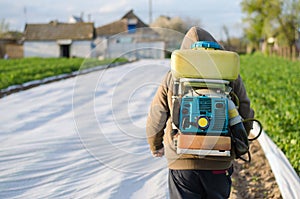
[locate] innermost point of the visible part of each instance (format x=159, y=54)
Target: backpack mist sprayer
x=204, y=117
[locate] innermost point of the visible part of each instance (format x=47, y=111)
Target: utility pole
x=89, y=18
x=25, y=14
x=150, y=12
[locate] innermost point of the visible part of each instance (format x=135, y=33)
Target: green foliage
x=18, y=71
x=261, y=18
x=272, y=18
x=273, y=84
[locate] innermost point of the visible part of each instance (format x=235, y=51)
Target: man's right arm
x=157, y=117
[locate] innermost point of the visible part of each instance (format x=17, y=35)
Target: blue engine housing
x=213, y=110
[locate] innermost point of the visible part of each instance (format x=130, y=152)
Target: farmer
x=194, y=177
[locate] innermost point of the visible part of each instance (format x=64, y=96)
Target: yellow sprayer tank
x=205, y=64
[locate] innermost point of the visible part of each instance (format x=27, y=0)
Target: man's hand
x=158, y=153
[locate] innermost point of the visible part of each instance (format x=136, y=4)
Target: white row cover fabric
x=286, y=177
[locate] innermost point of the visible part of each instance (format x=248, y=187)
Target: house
x=56, y=39
x=128, y=37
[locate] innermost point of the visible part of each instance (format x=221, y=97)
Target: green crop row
x=18, y=71
x=273, y=84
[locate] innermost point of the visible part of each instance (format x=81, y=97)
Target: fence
x=14, y=50
x=286, y=52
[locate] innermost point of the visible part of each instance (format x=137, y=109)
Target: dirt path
x=254, y=180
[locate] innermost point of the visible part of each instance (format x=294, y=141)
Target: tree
x=231, y=43
x=176, y=23
x=269, y=18
x=173, y=29
x=260, y=19
x=4, y=27
x=289, y=21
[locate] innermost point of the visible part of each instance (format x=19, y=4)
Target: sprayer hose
x=260, y=127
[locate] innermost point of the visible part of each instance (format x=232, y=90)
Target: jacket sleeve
x=244, y=102
x=158, y=116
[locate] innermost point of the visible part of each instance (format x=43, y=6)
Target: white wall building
x=59, y=39
x=128, y=37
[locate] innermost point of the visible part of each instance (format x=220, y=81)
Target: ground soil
x=254, y=179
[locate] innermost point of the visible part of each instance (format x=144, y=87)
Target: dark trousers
x=199, y=184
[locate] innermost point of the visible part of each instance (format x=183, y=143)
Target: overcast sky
x=213, y=14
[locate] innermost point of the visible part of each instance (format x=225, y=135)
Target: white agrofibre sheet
x=83, y=137
x=287, y=179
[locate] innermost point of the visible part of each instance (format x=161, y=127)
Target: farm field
x=272, y=84
x=56, y=134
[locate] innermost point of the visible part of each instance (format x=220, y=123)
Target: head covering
x=196, y=34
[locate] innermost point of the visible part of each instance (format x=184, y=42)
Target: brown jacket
x=159, y=119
